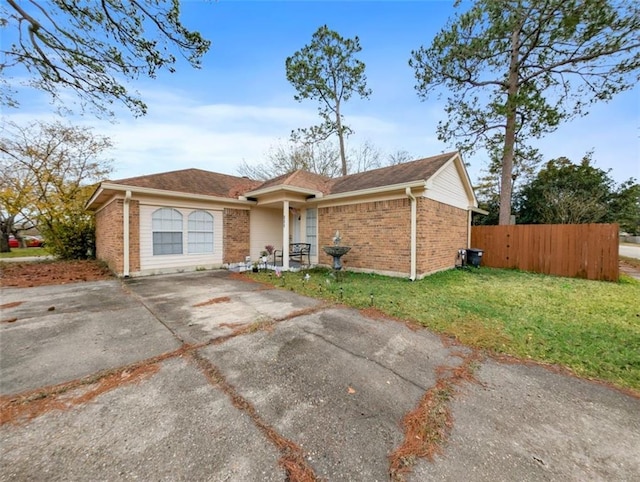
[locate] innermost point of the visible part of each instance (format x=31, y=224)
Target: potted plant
x=254, y=268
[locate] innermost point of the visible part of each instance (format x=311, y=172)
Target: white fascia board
x=281, y=187
x=94, y=196
x=372, y=190
x=178, y=194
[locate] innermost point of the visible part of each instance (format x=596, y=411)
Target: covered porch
x=286, y=219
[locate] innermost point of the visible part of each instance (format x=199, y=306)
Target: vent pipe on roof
x=414, y=233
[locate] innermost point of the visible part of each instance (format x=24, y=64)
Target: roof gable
x=300, y=179
x=451, y=185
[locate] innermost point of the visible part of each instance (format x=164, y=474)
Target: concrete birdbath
x=336, y=251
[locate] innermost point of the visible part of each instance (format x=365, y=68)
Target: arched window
x=167, y=231
x=200, y=239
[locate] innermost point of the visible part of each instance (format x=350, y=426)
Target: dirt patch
x=27, y=275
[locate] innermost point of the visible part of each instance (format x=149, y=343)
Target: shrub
x=71, y=236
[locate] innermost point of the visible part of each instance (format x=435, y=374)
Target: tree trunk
x=343, y=156
x=4, y=244
x=5, y=231
x=506, y=178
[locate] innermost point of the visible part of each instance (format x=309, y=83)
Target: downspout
x=125, y=231
x=285, y=235
x=414, y=233
x=469, y=218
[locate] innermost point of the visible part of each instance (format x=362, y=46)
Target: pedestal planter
x=336, y=252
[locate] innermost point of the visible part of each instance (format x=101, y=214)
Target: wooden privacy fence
x=576, y=250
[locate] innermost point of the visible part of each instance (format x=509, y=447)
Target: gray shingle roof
x=302, y=179
x=419, y=170
x=198, y=181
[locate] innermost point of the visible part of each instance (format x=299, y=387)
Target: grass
x=22, y=252
x=590, y=327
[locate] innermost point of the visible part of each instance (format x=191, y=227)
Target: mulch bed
x=25, y=275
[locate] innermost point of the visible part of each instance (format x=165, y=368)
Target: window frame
x=165, y=227
x=209, y=219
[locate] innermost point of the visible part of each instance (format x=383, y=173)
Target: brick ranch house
x=406, y=220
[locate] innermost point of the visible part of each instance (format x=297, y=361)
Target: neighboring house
x=404, y=220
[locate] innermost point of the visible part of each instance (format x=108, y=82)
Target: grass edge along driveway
x=590, y=327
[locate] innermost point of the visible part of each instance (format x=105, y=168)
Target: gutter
x=125, y=230
x=282, y=187
x=414, y=233
x=108, y=186
x=372, y=190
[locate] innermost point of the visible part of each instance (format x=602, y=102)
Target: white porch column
x=285, y=235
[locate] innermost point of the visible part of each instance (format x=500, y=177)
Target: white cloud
x=181, y=132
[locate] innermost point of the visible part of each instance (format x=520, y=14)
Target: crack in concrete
x=292, y=457
x=306, y=311
x=141, y=300
x=428, y=426
x=357, y=355
x=9, y=411
x=28, y=405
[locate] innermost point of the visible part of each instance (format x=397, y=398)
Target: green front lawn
x=591, y=327
x=22, y=252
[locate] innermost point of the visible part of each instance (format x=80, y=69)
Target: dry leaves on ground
x=24, y=275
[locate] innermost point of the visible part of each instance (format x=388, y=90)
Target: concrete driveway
x=629, y=251
x=205, y=376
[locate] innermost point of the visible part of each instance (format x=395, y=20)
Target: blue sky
x=240, y=104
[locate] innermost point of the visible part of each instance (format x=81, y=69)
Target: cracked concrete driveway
x=205, y=376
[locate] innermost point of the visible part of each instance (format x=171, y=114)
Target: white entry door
x=295, y=227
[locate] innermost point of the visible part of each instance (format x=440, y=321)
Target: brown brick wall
x=378, y=233
x=442, y=230
x=134, y=236
x=236, y=235
x=109, y=235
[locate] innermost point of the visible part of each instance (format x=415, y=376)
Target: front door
x=295, y=227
